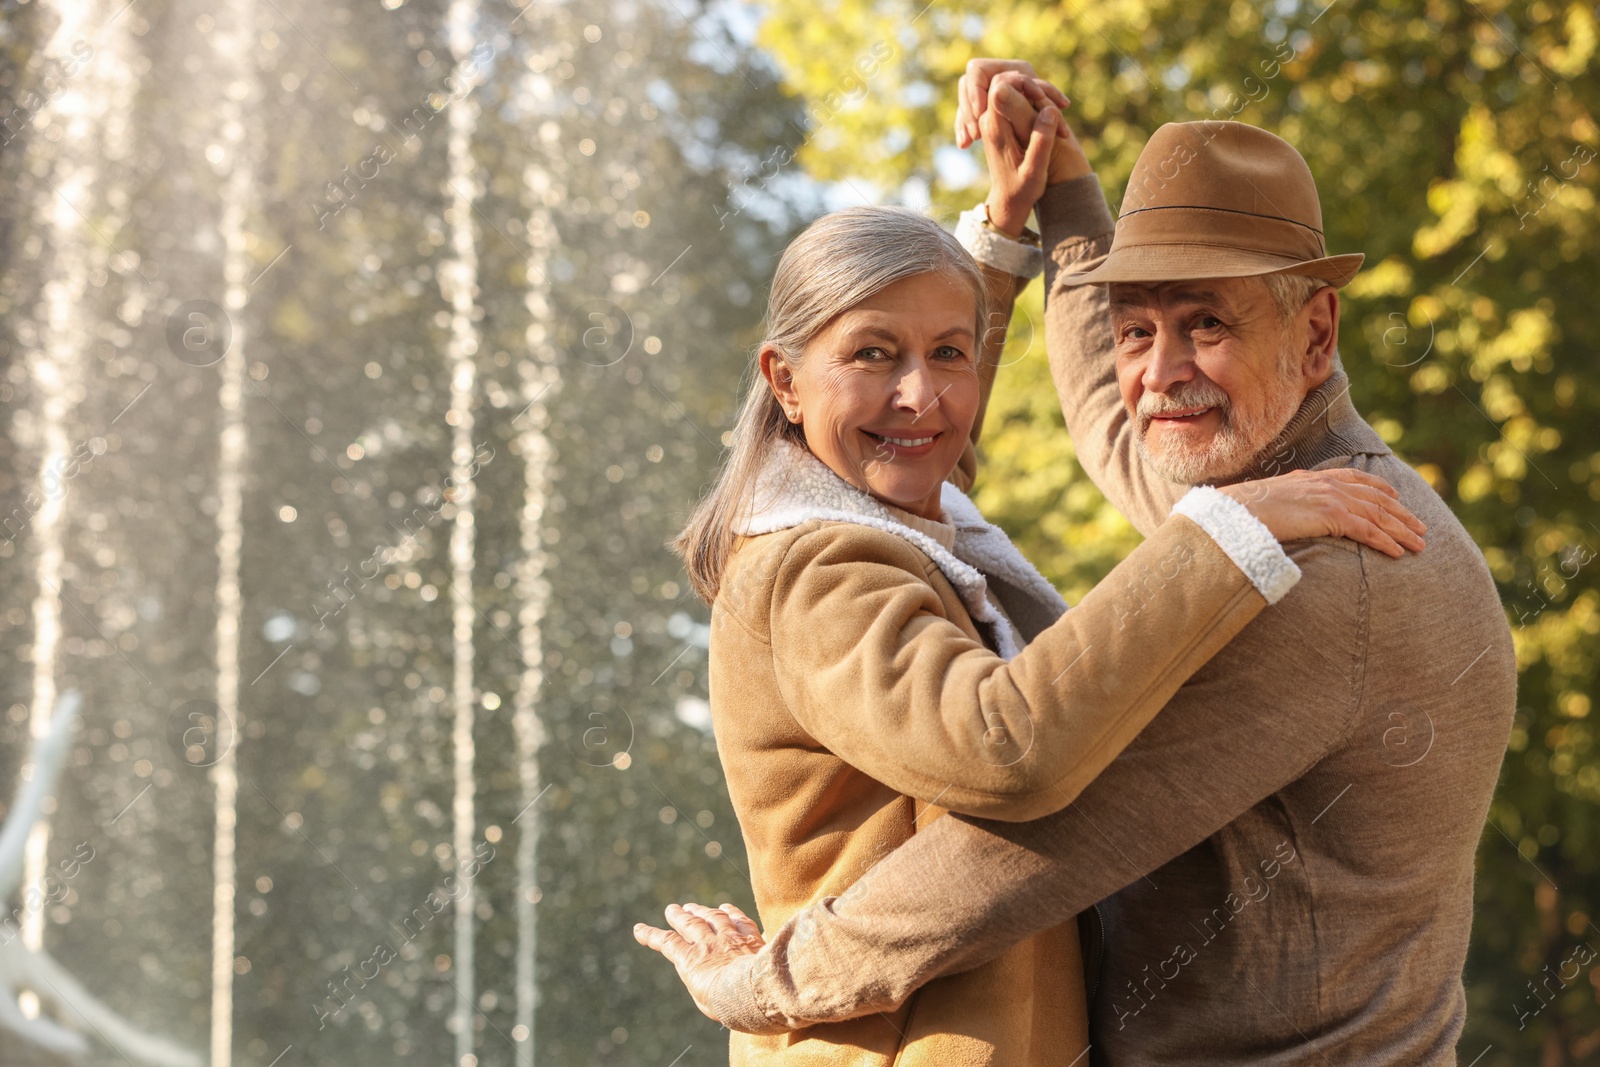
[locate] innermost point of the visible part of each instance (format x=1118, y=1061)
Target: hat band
x=1180, y=224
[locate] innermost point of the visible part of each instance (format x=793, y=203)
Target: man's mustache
x=1182, y=396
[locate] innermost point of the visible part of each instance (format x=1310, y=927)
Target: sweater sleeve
x=964, y=890
x=1076, y=227
x=871, y=667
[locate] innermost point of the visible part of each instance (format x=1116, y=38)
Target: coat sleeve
x=1076, y=227
x=962, y=891
x=1002, y=289
x=871, y=667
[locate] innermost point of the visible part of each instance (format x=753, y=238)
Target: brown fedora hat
x=1218, y=200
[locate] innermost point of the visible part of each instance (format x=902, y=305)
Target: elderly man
x=1283, y=860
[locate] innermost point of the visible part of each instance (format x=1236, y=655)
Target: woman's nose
x=917, y=391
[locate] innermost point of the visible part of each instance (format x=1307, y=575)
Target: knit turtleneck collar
x=1325, y=427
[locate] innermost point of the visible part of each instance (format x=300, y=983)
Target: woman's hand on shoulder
x=1341, y=502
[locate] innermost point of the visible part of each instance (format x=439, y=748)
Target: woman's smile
x=909, y=443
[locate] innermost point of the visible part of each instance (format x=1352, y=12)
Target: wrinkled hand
x=972, y=93
x=1341, y=502
x=1019, y=160
x=702, y=942
x=1027, y=143
x=1019, y=100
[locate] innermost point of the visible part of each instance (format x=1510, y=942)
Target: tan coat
x=855, y=701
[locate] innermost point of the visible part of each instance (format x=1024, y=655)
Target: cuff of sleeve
x=1073, y=209
x=993, y=249
x=733, y=1002
x=1244, y=538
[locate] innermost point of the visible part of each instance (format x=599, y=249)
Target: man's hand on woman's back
x=701, y=943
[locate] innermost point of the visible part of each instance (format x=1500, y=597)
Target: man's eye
x=1134, y=333
x=1208, y=322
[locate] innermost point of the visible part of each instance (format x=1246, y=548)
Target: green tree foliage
x=1456, y=145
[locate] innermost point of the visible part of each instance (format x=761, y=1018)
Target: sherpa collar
x=795, y=487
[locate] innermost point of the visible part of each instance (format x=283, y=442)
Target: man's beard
x=1238, y=442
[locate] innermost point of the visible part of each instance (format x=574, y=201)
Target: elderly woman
x=881, y=655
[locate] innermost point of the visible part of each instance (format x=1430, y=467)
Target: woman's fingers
x=1377, y=519
x=1051, y=93
x=1038, y=91
x=1387, y=533
x=1350, y=474
x=1340, y=502
x=1014, y=108
x=1367, y=532
x=1384, y=497
x=966, y=116
x=1391, y=501
x=995, y=133
x=972, y=93
x=1379, y=492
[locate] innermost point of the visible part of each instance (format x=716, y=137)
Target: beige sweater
x=1285, y=855
x=868, y=675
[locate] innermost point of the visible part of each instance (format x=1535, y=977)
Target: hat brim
x=1175, y=263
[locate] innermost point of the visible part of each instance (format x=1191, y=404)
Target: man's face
x=1208, y=371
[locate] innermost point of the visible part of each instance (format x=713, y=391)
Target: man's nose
x=1171, y=361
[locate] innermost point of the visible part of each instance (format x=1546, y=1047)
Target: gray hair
x=838, y=261
x=1291, y=292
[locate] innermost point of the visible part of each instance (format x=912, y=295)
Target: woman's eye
x=872, y=355
x=949, y=352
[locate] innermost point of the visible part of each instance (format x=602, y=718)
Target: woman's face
x=887, y=392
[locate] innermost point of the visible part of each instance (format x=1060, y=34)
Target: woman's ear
x=780, y=377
